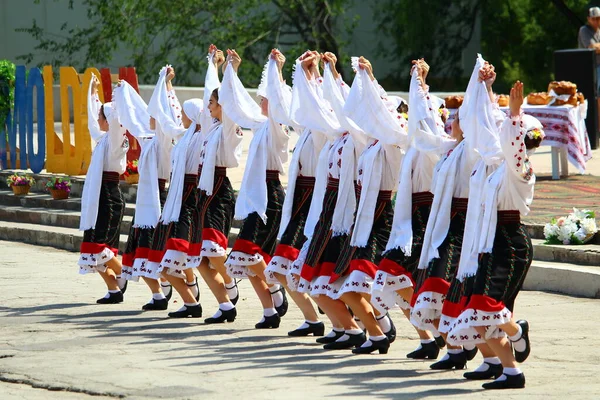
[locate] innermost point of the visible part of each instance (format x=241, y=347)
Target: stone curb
x=588, y=254
x=573, y=280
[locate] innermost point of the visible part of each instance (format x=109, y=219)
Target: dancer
x=505, y=250
x=261, y=195
x=378, y=167
x=220, y=150
x=102, y=203
x=334, y=201
x=154, y=168
x=301, y=183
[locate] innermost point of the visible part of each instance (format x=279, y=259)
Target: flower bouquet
x=131, y=172
x=59, y=188
x=20, y=184
x=579, y=227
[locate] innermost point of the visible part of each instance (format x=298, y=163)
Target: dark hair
x=402, y=108
x=531, y=143
x=102, y=111
x=215, y=94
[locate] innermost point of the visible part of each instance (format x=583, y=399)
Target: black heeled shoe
x=283, y=308
x=228, y=316
x=321, y=311
x=427, y=351
x=317, y=329
x=124, y=288
x=190, y=311
x=168, y=295
x=455, y=361
x=197, y=289
x=440, y=341
x=352, y=341
x=270, y=322
x=381, y=345
x=511, y=382
x=391, y=334
x=113, y=298
x=330, y=339
x=156, y=305
x=494, y=371
x=470, y=353
x=521, y=356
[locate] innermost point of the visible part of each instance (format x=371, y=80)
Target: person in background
x=589, y=37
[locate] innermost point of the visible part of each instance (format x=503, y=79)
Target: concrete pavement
x=53, y=337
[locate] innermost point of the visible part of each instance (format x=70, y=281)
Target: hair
x=443, y=116
x=102, y=111
x=531, y=143
x=215, y=94
x=402, y=108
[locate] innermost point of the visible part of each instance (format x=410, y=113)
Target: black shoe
x=270, y=322
x=124, y=288
x=439, y=340
x=352, y=341
x=470, y=353
x=237, y=289
x=228, y=316
x=327, y=339
x=494, y=371
x=156, y=305
x=317, y=329
x=427, y=351
x=511, y=382
x=381, y=345
x=391, y=334
x=113, y=298
x=168, y=296
x=521, y=356
x=190, y=311
x=321, y=311
x=283, y=308
x=197, y=288
x=455, y=361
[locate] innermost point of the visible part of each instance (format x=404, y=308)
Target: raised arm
x=280, y=94
x=159, y=108
x=132, y=111
x=93, y=109
x=235, y=100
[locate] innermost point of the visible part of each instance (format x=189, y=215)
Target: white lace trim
x=212, y=249
x=320, y=286
x=151, y=269
x=279, y=265
x=139, y=268
x=304, y=286
x=238, y=258
x=356, y=282
x=428, y=308
x=127, y=273
x=94, y=262
x=388, y=300
x=463, y=330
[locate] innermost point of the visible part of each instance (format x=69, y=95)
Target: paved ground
x=53, y=337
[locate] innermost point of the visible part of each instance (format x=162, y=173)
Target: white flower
x=564, y=233
x=580, y=214
x=550, y=230
x=581, y=234
x=589, y=225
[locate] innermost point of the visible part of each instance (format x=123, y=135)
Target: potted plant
x=579, y=227
x=131, y=172
x=20, y=184
x=59, y=187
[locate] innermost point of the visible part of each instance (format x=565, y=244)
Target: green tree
x=155, y=32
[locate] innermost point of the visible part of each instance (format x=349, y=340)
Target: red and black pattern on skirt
x=293, y=237
x=101, y=243
x=322, y=234
x=139, y=240
x=256, y=240
x=170, y=242
x=214, y=219
x=498, y=281
x=356, y=266
x=434, y=283
x=395, y=262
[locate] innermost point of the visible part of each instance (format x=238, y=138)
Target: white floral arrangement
x=579, y=227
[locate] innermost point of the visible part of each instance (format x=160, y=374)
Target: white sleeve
x=93, y=110
x=159, y=108
x=280, y=100
x=211, y=82
x=237, y=102
x=512, y=141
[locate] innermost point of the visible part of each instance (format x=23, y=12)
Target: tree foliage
x=155, y=32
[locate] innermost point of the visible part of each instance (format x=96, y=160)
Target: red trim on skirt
x=127, y=259
x=215, y=235
x=156, y=255
x=248, y=247
x=485, y=303
x=361, y=265
x=142, y=252
x=436, y=285
x=178, y=245
x=285, y=251
x=95, y=248
x=308, y=272
x=195, y=249
x=393, y=268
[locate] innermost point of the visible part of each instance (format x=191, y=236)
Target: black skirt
x=111, y=207
x=294, y=232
